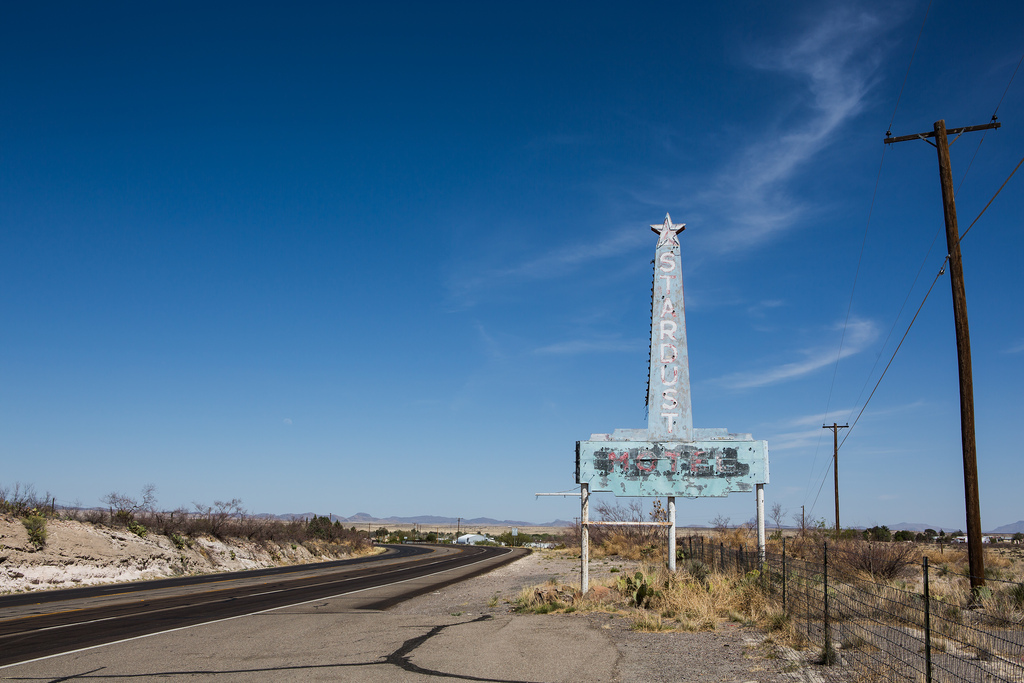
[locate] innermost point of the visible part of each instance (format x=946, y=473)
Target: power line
x=898, y=346
x=991, y=200
x=995, y=116
x=1007, y=87
x=924, y=261
x=860, y=257
x=907, y=75
x=941, y=271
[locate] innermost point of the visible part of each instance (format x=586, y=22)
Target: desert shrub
x=698, y=570
x=21, y=500
x=647, y=622
x=880, y=560
x=124, y=507
x=544, y=599
x=35, y=525
x=1016, y=595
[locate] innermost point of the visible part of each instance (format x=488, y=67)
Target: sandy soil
x=731, y=652
x=79, y=554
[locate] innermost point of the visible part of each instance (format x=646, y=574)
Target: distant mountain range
x=918, y=527
x=427, y=520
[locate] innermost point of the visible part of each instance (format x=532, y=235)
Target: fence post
x=785, y=609
x=828, y=655
x=927, y=627
x=721, y=547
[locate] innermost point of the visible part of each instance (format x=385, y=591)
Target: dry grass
x=622, y=546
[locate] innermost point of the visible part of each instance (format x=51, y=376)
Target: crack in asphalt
x=401, y=658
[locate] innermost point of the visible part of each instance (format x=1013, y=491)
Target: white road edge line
x=157, y=611
x=239, y=616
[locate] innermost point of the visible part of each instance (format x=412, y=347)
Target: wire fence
x=922, y=624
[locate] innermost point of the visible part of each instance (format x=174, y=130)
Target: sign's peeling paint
x=691, y=469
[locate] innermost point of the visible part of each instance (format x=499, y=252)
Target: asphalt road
x=38, y=625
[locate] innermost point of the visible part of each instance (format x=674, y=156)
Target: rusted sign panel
x=695, y=469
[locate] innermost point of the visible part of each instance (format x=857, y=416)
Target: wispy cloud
x=761, y=308
x=552, y=264
x=593, y=345
x=747, y=197
x=805, y=431
x=836, y=60
x=1016, y=348
x=489, y=343
x=859, y=334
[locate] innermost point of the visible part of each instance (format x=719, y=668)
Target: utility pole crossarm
x=951, y=131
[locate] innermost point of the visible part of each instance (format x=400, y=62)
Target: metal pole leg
x=584, y=537
x=672, y=533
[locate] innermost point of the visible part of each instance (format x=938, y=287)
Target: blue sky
x=394, y=258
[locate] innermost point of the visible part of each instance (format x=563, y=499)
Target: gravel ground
x=731, y=653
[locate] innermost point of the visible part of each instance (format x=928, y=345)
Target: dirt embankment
x=79, y=554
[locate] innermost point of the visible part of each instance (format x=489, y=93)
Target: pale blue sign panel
x=694, y=469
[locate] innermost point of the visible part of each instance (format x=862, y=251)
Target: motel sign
x=670, y=458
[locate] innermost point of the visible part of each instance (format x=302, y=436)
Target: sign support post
x=672, y=533
x=760, y=526
x=584, y=537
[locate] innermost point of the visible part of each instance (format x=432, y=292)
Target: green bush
x=36, y=527
x=1017, y=594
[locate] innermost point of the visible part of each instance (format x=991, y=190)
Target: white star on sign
x=668, y=231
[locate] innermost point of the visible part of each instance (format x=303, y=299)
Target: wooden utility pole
x=975, y=552
x=835, y=463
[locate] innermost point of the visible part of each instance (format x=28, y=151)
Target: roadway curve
x=35, y=625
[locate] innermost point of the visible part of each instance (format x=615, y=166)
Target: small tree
x=123, y=507
x=777, y=514
x=721, y=524
x=801, y=523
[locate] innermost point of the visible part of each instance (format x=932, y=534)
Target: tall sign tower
x=670, y=457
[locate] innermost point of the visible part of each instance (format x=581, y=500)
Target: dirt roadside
x=732, y=652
